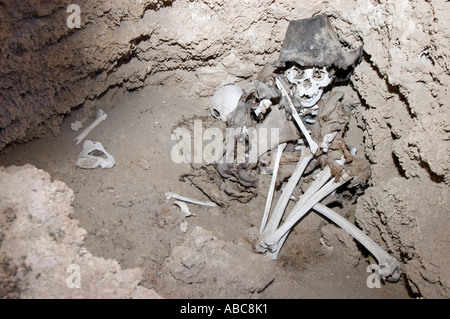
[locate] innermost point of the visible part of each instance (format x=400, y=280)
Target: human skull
x=225, y=101
x=309, y=83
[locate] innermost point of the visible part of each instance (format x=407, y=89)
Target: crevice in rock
x=398, y=165
x=391, y=88
x=156, y=6
x=436, y=178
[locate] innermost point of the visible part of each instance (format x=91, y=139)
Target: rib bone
x=312, y=145
x=389, y=266
x=101, y=116
x=280, y=150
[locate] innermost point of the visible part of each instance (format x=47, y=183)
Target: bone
x=272, y=241
x=389, y=269
x=262, y=108
x=170, y=195
x=76, y=126
x=287, y=192
x=321, y=179
x=312, y=145
x=101, y=116
x=225, y=101
x=280, y=150
x=310, y=86
x=184, y=208
x=327, y=139
x=88, y=160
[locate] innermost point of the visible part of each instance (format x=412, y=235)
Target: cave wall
x=401, y=87
x=403, y=83
x=48, y=68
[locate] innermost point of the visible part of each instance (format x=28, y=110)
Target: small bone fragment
x=101, y=116
x=389, y=266
x=170, y=195
x=184, y=226
x=324, y=245
x=280, y=150
x=88, y=160
x=312, y=145
x=184, y=208
x=75, y=126
x=327, y=139
x=262, y=108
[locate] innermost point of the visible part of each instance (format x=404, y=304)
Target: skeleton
x=311, y=57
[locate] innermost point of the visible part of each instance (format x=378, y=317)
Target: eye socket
x=300, y=74
x=318, y=75
x=216, y=113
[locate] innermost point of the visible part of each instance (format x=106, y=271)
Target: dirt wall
x=400, y=88
x=402, y=83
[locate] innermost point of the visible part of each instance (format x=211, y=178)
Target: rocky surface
x=205, y=266
x=400, y=88
x=402, y=83
x=41, y=247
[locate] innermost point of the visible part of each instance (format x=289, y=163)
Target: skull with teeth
x=309, y=83
x=311, y=58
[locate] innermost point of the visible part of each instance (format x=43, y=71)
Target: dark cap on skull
x=313, y=42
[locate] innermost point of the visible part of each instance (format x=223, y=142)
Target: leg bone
x=322, y=178
x=274, y=222
x=279, y=209
x=272, y=242
x=389, y=266
x=272, y=186
x=101, y=116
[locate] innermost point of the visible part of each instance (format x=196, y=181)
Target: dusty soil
x=128, y=218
